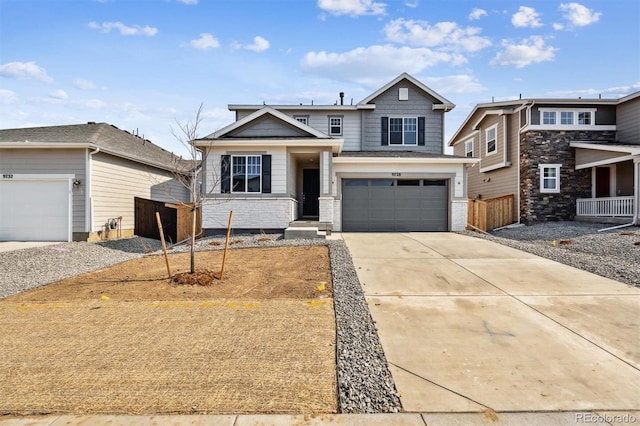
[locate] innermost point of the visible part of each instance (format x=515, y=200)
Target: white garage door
x=35, y=210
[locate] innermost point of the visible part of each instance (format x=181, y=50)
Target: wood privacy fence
x=176, y=220
x=491, y=213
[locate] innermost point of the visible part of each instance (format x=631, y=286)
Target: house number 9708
x=7, y=176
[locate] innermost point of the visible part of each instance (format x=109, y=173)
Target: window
x=584, y=118
x=548, y=117
x=335, y=126
x=549, y=177
x=566, y=117
x=403, y=131
x=491, y=136
x=304, y=119
x=246, y=173
x=468, y=148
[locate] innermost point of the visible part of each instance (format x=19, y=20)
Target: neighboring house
x=562, y=159
x=377, y=165
x=77, y=182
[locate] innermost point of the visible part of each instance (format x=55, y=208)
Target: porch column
x=325, y=200
x=636, y=189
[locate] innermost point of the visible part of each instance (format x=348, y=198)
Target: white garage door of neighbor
x=35, y=210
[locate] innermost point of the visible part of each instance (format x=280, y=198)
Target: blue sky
x=142, y=65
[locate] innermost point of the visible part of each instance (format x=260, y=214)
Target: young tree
x=187, y=171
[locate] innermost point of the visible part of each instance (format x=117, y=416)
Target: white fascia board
x=559, y=127
x=403, y=160
x=604, y=162
x=302, y=107
x=334, y=144
x=464, y=138
x=601, y=147
x=492, y=112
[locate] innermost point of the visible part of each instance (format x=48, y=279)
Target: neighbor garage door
x=395, y=205
x=34, y=210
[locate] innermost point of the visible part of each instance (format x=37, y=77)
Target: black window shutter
x=225, y=174
x=266, y=174
x=421, y=131
x=385, y=130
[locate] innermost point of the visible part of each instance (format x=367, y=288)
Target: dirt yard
x=125, y=340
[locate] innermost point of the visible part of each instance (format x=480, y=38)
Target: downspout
x=636, y=198
x=89, y=186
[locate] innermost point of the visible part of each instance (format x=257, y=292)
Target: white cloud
x=579, y=15
x=608, y=92
x=7, y=96
x=352, y=7
x=446, y=35
x=125, y=30
x=527, y=52
x=557, y=26
x=25, y=71
x=59, y=94
x=454, y=84
x=526, y=17
x=412, y=4
x=477, y=14
x=83, y=84
x=259, y=44
x=377, y=63
x=206, y=41
x=188, y=1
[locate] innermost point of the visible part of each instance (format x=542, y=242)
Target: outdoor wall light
x=76, y=183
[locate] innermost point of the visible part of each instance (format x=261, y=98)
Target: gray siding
x=628, y=125
x=116, y=181
x=267, y=127
x=418, y=104
x=51, y=161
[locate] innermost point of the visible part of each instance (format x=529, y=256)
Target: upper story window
x=549, y=117
x=468, y=148
x=403, y=130
x=304, y=119
x=491, y=136
x=335, y=126
x=567, y=116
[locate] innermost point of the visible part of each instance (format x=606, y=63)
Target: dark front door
x=603, y=176
x=310, y=192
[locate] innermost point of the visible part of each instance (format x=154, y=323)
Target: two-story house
x=378, y=165
x=562, y=159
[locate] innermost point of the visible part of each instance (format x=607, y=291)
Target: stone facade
x=552, y=147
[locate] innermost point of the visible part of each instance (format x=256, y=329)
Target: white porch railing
x=605, y=206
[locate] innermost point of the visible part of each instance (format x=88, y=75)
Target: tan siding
x=116, y=181
x=498, y=156
x=628, y=122
x=585, y=156
x=51, y=161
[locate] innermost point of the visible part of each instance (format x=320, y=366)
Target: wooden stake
x=164, y=246
x=226, y=245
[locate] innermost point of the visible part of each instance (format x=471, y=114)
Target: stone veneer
x=552, y=147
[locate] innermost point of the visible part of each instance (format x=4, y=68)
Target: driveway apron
x=469, y=325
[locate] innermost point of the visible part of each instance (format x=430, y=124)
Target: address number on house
x=7, y=176
x=396, y=174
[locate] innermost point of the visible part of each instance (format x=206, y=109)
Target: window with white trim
x=491, y=137
x=304, y=119
x=549, y=117
x=403, y=130
x=335, y=126
x=468, y=148
x=584, y=118
x=549, y=178
x=246, y=173
x=567, y=116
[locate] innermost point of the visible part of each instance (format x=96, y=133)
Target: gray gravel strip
x=365, y=384
x=612, y=254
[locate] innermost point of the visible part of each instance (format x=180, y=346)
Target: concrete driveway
x=18, y=245
x=469, y=325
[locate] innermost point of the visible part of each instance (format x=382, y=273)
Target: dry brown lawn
x=124, y=340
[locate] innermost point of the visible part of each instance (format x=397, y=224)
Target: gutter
x=88, y=184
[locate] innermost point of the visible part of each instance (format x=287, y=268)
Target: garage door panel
x=395, y=205
x=34, y=210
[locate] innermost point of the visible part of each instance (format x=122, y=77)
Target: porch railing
x=605, y=206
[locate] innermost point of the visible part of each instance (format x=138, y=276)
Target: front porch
x=605, y=209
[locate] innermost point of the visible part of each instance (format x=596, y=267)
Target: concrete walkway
x=468, y=325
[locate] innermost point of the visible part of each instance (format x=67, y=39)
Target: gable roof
x=106, y=137
x=444, y=102
x=262, y=112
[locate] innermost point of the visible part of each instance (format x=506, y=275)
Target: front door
x=310, y=192
x=603, y=177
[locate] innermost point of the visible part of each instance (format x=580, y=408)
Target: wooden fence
x=491, y=213
x=176, y=220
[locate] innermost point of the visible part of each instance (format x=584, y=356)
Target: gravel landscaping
x=613, y=254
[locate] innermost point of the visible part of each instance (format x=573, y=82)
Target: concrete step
x=303, y=232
